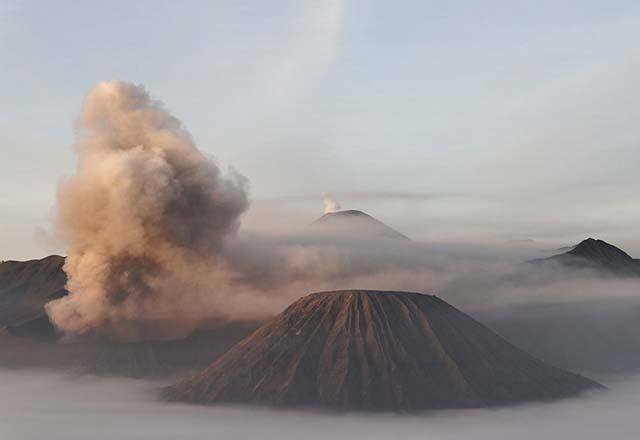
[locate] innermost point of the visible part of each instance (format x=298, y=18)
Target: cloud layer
x=49, y=406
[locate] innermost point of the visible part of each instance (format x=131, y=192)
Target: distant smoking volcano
x=355, y=224
x=145, y=216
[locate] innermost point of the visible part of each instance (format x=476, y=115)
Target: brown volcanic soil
x=371, y=350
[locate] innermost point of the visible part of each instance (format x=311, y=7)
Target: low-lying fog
x=46, y=405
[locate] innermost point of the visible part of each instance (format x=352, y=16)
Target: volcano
x=598, y=255
x=355, y=224
x=376, y=350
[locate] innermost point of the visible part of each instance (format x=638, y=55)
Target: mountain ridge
x=595, y=254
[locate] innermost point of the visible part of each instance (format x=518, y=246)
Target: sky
x=481, y=121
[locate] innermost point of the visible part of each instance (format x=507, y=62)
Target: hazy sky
x=511, y=121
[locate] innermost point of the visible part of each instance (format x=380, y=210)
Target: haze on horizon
x=487, y=122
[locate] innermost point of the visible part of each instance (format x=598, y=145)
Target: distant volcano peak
x=348, y=212
x=355, y=223
x=595, y=255
x=599, y=250
x=344, y=213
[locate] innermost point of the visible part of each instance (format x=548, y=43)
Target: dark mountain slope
x=25, y=287
x=599, y=250
x=370, y=350
x=595, y=255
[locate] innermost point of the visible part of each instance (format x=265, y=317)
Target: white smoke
x=330, y=203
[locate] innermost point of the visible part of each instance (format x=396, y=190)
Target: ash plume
x=330, y=203
x=146, y=218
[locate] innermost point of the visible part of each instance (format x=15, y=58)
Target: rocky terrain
x=372, y=350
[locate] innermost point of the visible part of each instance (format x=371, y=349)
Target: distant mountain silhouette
x=595, y=334
x=356, y=224
x=25, y=287
x=597, y=255
x=372, y=350
x=601, y=251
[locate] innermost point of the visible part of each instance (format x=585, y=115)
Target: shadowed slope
x=599, y=250
x=25, y=287
x=368, y=350
x=595, y=255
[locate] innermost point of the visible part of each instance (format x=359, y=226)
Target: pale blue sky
x=526, y=110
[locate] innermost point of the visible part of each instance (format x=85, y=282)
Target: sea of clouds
x=41, y=405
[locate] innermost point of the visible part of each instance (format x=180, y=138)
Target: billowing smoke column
x=330, y=203
x=146, y=217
